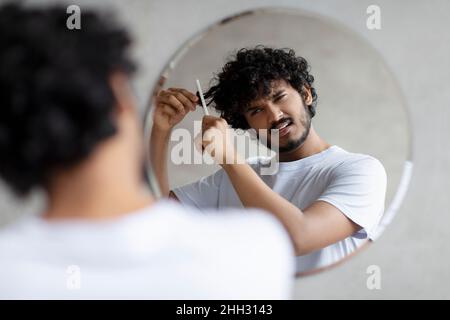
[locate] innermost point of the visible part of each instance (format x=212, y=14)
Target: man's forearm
x=159, y=142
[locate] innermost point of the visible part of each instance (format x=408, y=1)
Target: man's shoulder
x=345, y=161
x=234, y=227
x=16, y=237
x=231, y=219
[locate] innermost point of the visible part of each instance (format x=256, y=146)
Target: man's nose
x=274, y=114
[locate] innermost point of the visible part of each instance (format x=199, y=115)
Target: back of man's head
x=56, y=100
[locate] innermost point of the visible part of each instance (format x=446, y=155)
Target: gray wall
x=412, y=252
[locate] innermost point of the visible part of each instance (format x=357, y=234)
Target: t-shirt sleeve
x=203, y=193
x=358, y=190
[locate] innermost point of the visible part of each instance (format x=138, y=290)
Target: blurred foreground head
x=62, y=92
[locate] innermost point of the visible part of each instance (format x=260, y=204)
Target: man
x=69, y=126
x=329, y=200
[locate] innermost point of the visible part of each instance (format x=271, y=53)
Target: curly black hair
x=56, y=102
x=249, y=74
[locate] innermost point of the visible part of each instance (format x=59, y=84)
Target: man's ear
x=307, y=95
x=122, y=92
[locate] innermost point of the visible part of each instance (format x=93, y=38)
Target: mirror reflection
x=302, y=118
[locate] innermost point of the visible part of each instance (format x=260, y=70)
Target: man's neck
x=105, y=186
x=312, y=145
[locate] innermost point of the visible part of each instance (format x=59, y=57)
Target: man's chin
x=288, y=149
x=290, y=146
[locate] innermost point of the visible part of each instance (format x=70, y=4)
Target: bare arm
x=172, y=105
x=159, y=142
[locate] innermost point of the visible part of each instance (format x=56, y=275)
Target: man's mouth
x=284, y=127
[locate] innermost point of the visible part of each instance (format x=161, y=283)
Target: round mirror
x=360, y=110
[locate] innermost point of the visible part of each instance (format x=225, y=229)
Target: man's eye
x=280, y=97
x=255, y=111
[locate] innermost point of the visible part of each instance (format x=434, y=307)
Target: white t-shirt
x=165, y=251
x=353, y=183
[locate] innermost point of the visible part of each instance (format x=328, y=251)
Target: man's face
x=285, y=110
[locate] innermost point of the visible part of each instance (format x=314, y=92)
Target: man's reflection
x=329, y=200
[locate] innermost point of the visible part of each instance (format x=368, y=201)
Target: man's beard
x=291, y=144
x=295, y=144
